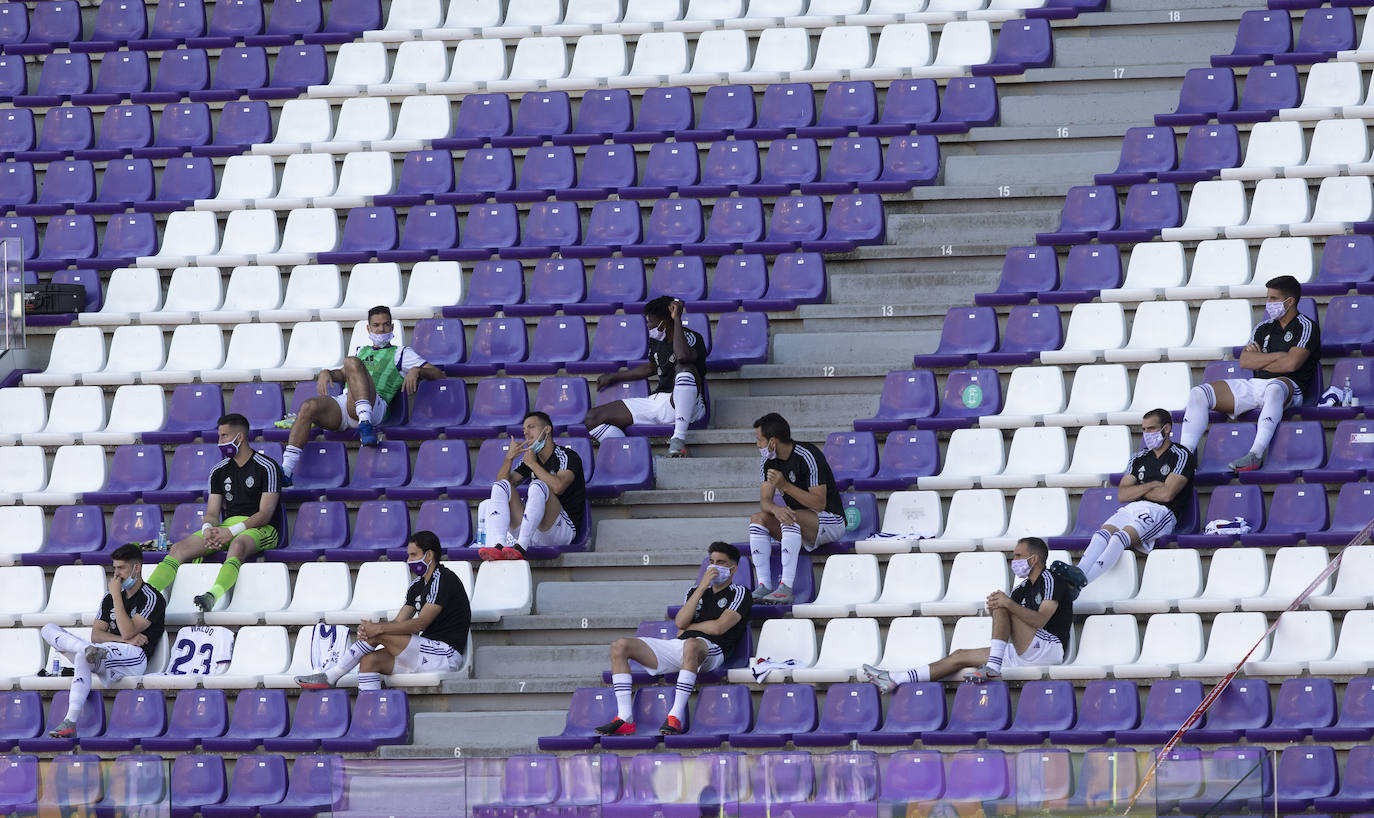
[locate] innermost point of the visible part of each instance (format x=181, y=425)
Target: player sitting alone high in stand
x=1029, y=628
x=709, y=625
x=553, y=512
x=125, y=633
x=1284, y=353
x=678, y=355
x=244, y=487
x=371, y=376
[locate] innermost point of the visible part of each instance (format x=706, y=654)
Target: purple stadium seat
x=528, y=781
x=1303, y=705
x=240, y=124
x=489, y=228
x=651, y=705
x=785, y=710
x=179, y=73
x=1145, y=153
x=619, y=340
x=1026, y=271
x=367, y=232
x=546, y=170
x=438, y=465
x=670, y=167
x=907, y=455
x=375, y=470
x=200, y=782
x=784, y=108
x=1351, y=454
x=612, y=226
x=600, y=115
x=1044, y=707
x=19, y=774
x=1268, y=88
x=1241, y=707
x=564, y=400
x=135, y=714
x=259, y=780
x=969, y=394
x=852, y=456
x=1166, y=708
x=540, y=116
x=1149, y=209
x=1088, y=209
x=967, y=332
x=1106, y=776
x=721, y=710
x=738, y=279
x=729, y=165
x=239, y=71
x=68, y=241
x=549, y=228
x=185, y=519
x=66, y=183
x=1295, y=510
x=1107, y=708
x=796, y=222
x=733, y=223
x=614, y=282
x=23, y=228
x=682, y=277
x=589, y=708
x=424, y=174
x=21, y=717
x=1206, y=92
x=53, y=25
x=498, y=403
x=1021, y=44
x=558, y=340
x=450, y=522
x=311, y=788
x=291, y=20
x=977, y=710
x=481, y=118
x=1207, y=150
x=1224, y=442
x=232, y=21
x=1356, y=722
x=126, y=183
x=554, y=282
x=295, y=68
x=319, y=714
x=258, y=714
x=967, y=103
x=430, y=230
x=1345, y=328
x=674, y=224
x=127, y=236
x=16, y=131
x=173, y=24
x=650, y=780
x=909, y=161
x=1226, y=503
x=65, y=131
x=196, y=714
x=61, y=77
x=977, y=775
x=1346, y=263
x=14, y=23
x=849, y=709
x=496, y=342
x=183, y=181
x=915, y=709
x=135, y=468
x=844, y=780
x=261, y=403
x=790, y=163
x=1087, y=271
x=323, y=465
x=909, y=103
x=439, y=341
x=135, y=784
x=489, y=456
x=379, y=717
x=741, y=338
x=348, y=19
x=1357, y=784
x=71, y=783
x=855, y=219
x=1304, y=773
x=1261, y=34
x=185, y=127
x=623, y=464
x=18, y=187
x=73, y=532
x=847, y=107
x=1323, y=33
x=605, y=170
x=1030, y=330
x=663, y=112
x=912, y=775
x=1358, y=373
x=725, y=110
x=484, y=173
x=14, y=77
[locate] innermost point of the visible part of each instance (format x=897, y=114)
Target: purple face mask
x=418, y=567
x=229, y=449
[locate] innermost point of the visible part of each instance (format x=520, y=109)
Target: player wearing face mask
x=240, y=503
x=372, y=377
x=1283, y=354
x=1030, y=627
x=709, y=625
x=428, y=634
x=678, y=356
x=554, y=510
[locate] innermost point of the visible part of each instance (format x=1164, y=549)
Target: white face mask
x=1274, y=310
x=722, y=574
x=657, y=334
x=1021, y=568
x=1152, y=440
x=381, y=340
x=767, y=453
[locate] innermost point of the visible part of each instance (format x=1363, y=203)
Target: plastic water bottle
x=56, y=667
x=162, y=543
x=1349, y=394
x=481, y=531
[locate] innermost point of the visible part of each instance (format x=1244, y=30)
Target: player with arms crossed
x=1284, y=355
x=428, y=635
x=1154, y=492
x=709, y=626
x=244, y=487
x=557, y=502
x=1029, y=628
x=678, y=355
x=812, y=513
x=124, y=635
x=371, y=377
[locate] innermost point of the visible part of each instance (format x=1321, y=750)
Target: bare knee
x=759, y=518
x=620, y=649
x=352, y=365
x=693, y=653
x=371, y=663
x=242, y=548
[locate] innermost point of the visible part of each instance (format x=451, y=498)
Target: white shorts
x=669, y=655
x=562, y=532
x=121, y=659
x=1044, y=649
x=423, y=655
x=829, y=528
x=1150, y=521
x=658, y=408
x=350, y=422
x=1249, y=393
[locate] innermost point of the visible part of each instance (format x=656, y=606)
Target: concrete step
x=825, y=411
x=696, y=472
x=938, y=230
x=645, y=599
x=574, y=662
x=647, y=535
x=1026, y=169
x=1193, y=46
x=1077, y=110
x=832, y=348
x=478, y=734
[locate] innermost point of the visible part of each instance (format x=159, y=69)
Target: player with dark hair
x=1284, y=354
x=557, y=503
x=428, y=635
x=678, y=355
x=371, y=376
x=709, y=625
x=811, y=513
x=1154, y=493
x=125, y=633
x=1030, y=627
x=244, y=489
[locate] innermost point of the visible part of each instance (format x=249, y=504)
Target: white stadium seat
x=1035, y=512
x=1157, y=327
x=259, y=650
x=910, y=580
x=418, y=62
x=778, y=52
x=250, y=290
x=848, y=580
x=1170, y=639
x=658, y=55
x=902, y=49
x=1364, y=52
x=1341, y=202
x=846, y=646
x=369, y=284
x=908, y=517
x=247, y=235
x=970, y=632
x=596, y=59
x=310, y=288
x=583, y=17
x=703, y=15
x=825, y=13
x=308, y=231
x=26, y=532
x=23, y=410
x=970, y=454
x=971, y=578
x=262, y=587
x=362, y=121
x=21, y=654
x=536, y=61
x=320, y=586
x=766, y=13
x=364, y=174
x=315, y=345
x=1330, y=87
x=1093, y=328
x=1098, y=390
x=1276, y=204
x=48, y=656
x=1289, y=255
x=74, y=411
x=303, y=177
x=475, y=63
x=300, y=665
x=431, y=286
x=778, y=639
x=247, y=179
x=1105, y=642
x=502, y=589
x=75, y=470
x=133, y=349
x=407, y=18
x=252, y=348
x=359, y=338
x=135, y=410
x=1337, y=146
x=73, y=597
x=1354, y=582
x=1218, y=265
x=1099, y=451
x=22, y=470
x=356, y=67
x=1354, y=653
x=1169, y=575
x=718, y=53
x=1220, y=325
x=1272, y=147
x=1301, y=637
x=1214, y=206
x=421, y=119
x=913, y=641
x=963, y=44
x=192, y=580
x=302, y=122
x=75, y=351
x=192, y=290
x=1295, y=567
x=1163, y=385
x=186, y=236
x=1036, y=452
x=1117, y=582
x=131, y=290
x=885, y=12
x=1032, y=393
x=194, y=348
x=1231, y=636
x=26, y=591
x=1152, y=267
x=1234, y=574
x=525, y=18
x=379, y=589
x=643, y=16
x=974, y=516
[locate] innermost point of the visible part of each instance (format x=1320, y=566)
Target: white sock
x=761, y=551
x=624, y=696
x=1201, y=400
x=996, y=650
x=686, y=683
x=363, y=408
x=81, y=688
x=369, y=681
x=496, y=513
x=1088, y=562
x=791, y=549
x=290, y=456
x=684, y=403
x=63, y=641
x=605, y=432
x=1117, y=543
x=348, y=661
x=920, y=673
x=535, y=503
x=1271, y=412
